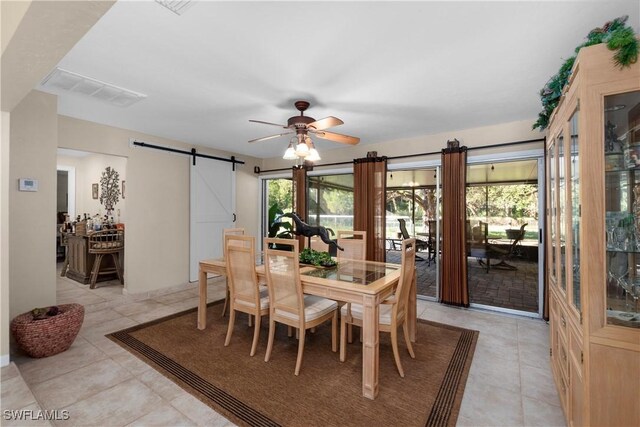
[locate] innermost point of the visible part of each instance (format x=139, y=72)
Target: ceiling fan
x=303, y=125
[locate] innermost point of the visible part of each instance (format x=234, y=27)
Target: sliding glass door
x=413, y=202
x=503, y=212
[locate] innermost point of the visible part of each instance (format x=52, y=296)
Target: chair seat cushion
x=264, y=300
x=357, y=312
x=314, y=307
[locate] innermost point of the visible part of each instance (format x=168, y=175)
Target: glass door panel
x=575, y=212
x=414, y=196
x=622, y=201
x=553, y=224
x=562, y=212
x=502, y=235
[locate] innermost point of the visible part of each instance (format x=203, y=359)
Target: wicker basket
x=46, y=337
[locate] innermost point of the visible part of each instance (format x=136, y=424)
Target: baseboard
x=4, y=360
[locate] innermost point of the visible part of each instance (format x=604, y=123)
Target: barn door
x=212, y=209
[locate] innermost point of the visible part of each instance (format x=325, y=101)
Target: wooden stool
x=102, y=243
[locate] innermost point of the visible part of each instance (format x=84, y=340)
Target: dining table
x=352, y=281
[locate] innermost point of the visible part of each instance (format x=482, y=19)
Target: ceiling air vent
x=63, y=80
x=177, y=7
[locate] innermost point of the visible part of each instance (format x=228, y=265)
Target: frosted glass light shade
x=290, y=154
x=313, y=155
x=302, y=150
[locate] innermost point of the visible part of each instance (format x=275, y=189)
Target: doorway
x=504, y=214
x=413, y=199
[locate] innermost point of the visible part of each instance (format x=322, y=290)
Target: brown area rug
x=249, y=391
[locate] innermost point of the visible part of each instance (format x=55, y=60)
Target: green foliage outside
x=280, y=192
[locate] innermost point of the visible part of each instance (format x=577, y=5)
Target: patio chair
x=420, y=244
x=478, y=243
x=507, y=254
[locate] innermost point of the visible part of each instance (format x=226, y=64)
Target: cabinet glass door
x=562, y=280
x=575, y=211
x=622, y=201
x=552, y=208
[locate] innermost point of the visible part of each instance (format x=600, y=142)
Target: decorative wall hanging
x=618, y=37
x=94, y=191
x=110, y=189
x=123, y=189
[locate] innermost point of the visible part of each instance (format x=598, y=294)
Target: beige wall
x=157, y=225
x=32, y=222
x=475, y=137
x=4, y=238
x=88, y=171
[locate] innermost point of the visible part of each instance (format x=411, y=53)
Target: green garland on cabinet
x=617, y=35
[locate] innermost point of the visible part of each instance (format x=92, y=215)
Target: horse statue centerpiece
x=304, y=229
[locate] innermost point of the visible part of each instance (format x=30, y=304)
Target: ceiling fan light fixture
x=302, y=149
x=290, y=153
x=313, y=155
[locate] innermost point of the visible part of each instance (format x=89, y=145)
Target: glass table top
x=355, y=272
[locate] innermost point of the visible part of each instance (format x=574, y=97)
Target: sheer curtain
x=455, y=290
x=300, y=197
x=370, y=181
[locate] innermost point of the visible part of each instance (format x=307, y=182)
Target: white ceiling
x=388, y=69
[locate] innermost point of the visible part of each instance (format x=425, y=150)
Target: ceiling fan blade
x=264, y=138
x=269, y=123
x=336, y=137
x=327, y=122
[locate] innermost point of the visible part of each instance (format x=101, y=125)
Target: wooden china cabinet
x=593, y=242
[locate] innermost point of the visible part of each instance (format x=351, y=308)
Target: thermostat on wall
x=28, y=184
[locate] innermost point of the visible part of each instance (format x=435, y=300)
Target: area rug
x=250, y=392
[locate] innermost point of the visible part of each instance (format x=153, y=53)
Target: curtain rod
x=193, y=153
x=406, y=156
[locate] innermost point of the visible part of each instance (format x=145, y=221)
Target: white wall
x=32, y=219
x=4, y=237
x=88, y=171
x=157, y=200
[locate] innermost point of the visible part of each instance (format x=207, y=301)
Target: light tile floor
x=101, y=384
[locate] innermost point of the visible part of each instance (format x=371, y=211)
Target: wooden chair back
x=106, y=241
x=229, y=232
x=407, y=271
x=354, y=244
x=318, y=245
x=282, y=268
x=241, y=272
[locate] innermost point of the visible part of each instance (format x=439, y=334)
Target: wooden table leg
x=202, y=304
x=370, y=347
x=412, y=315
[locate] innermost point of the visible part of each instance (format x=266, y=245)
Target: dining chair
x=393, y=310
x=354, y=244
x=245, y=295
x=318, y=245
x=228, y=232
x=287, y=303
